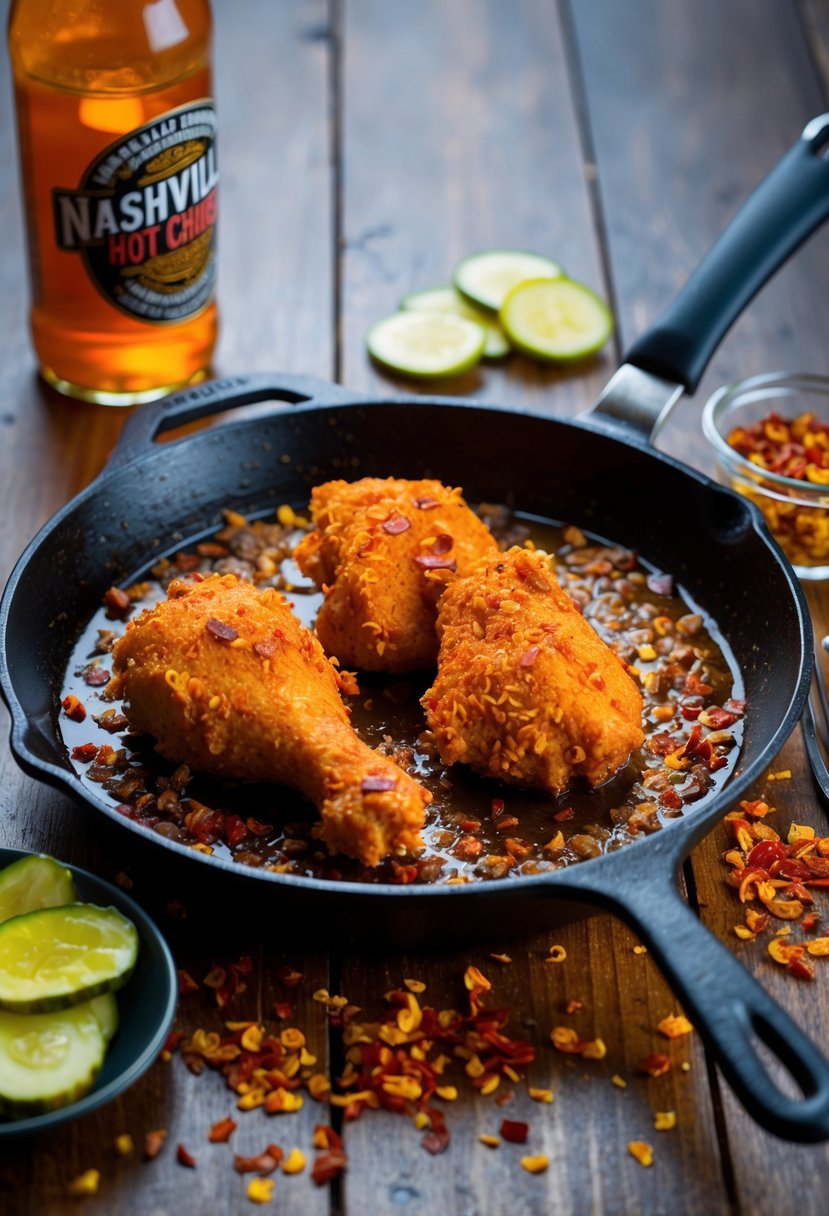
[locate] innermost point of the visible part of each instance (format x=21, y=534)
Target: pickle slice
x=48, y=1060
x=57, y=957
x=34, y=882
x=447, y=299
x=486, y=278
x=556, y=320
x=426, y=345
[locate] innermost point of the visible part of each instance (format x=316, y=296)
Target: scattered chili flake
x=654, y=1065
x=328, y=1166
x=85, y=752
x=426, y=504
x=186, y=983
x=85, y=1184
x=377, y=784
x=117, y=603
x=124, y=1145
x=501, y=958
x=260, y=1190
x=73, y=708
x=153, y=1143
x=529, y=656
x=220, y=631
x=557, y=954
x=263, y=1163
x=489, y=1141
x=567, y=813
x=288, y=975
x=640, y=949
x=95, y=675
x=810, y=921
x=294, y=1163
x=515, y=1131
x=664, y=1120
x=641, y=1151
x=396, y=525
x=535, y=1165
x=674, y=1026
x=435, y=561
x=573, y=1006
x=800, y=969
x=540, y=1095
x=185, y=1158
x=221, y=1132
x=618, y=1081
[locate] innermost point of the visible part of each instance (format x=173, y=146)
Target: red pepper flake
x=396, y=525
x=434, y=561
x=185, y=1158
x=800, y=969
x=377, y=785
x=735, y=706
x=328, y=1166
x=810, y=921
x=762, y=855
x=497, y=807
x=443, y=543
x=654, y=1065
x=235, y=829
x=258, y=828
x=186, y=983
x=263, y=1163
x=73, y=708
x=95, y=675
x=437, y=1140
x=468, y=848
x=117, y=603
x=514, y=1131
x=220, y=631
x=283, y=1010
x=507, y=822
x=264, y=648
x=426, y=504
x=529, y=656
x=153, y=1143
x=221, y=1132
x=85, y=752
x=288, y=976
x=567, y=813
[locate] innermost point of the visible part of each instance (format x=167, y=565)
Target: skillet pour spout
x=110, y=533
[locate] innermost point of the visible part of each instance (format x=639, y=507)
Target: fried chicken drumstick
x=228, y=681
x=526, y=690
x=383, y=550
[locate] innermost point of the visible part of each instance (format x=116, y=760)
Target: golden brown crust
x=383, y=549
x=526, y=690
x=227, y=680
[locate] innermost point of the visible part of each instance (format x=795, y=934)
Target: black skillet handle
x=726, y=1005
x=781, y=213
x=214, y=397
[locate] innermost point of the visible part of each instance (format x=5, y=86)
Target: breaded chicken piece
x=383, y=550
x=227, y=680
x=526, y=690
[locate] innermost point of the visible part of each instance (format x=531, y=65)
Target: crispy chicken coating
x=526, y=690
x=383, y=550
x=227, y=680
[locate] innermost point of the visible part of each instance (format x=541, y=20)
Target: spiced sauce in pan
x=476, y=828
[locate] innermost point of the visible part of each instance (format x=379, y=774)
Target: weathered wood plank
x=459, y=134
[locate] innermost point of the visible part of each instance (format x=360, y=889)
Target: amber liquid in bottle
x=88, y=73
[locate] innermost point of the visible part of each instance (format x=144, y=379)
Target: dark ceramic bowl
x=146, y=1005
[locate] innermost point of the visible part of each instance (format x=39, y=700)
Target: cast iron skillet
x=600, y=474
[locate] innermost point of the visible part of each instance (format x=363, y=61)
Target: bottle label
x=144, y=216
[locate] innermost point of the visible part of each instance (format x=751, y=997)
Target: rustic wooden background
x=366, y=145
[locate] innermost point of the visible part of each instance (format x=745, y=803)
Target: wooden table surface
x=366, y=145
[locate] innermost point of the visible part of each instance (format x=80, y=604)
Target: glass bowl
x=796, y=511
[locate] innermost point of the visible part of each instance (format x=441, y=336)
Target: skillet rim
x=676, y=843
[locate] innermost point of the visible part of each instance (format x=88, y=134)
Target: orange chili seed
x=664, y=1120
x=674, y=1026
x=641, y=1151
x=557, y=954
x=535, y=1165
x=540, y=1095
x=124, y=1145
x=292, y=1039
x=490, y=1141
x=85, y=1184
x=260, y=1190
x=294, y=1163
x=473, y=978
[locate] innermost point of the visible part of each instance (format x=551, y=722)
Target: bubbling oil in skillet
x=476, y=828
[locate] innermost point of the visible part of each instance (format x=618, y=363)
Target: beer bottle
x=117, y=129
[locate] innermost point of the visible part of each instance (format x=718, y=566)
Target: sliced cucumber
x=57, y=957
x=558, y=320
x=486, y=278
x=426, y=345
x=48, y=1060
x=34, y=882
x=105, y=1008
x=447, y=299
